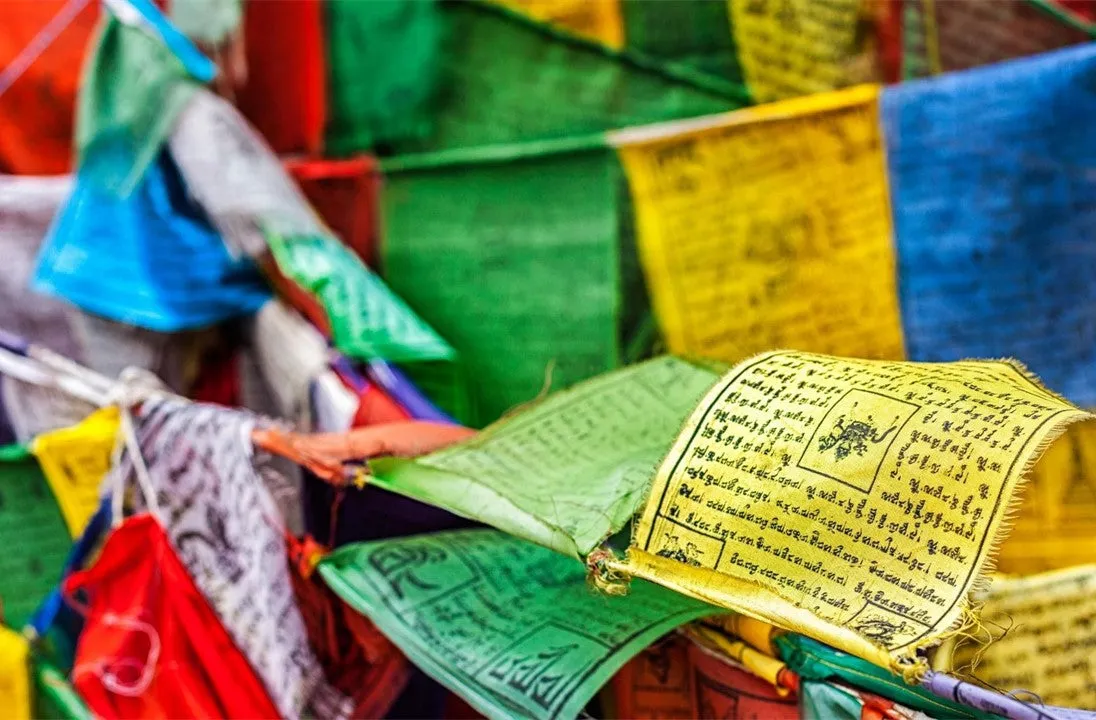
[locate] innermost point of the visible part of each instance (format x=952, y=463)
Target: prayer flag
x=583, y=458
x=509, y=626
x=854, y=501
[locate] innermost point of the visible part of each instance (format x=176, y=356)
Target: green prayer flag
x=474, y=74
x=569, y=471
x=139, y=77
x=367, y=319
x=518, y=256
x=384, y=65
x=509, y=626
x=55, y=698
x=694, y=33
x=823, y=701
x=815, y=661
x=38, y=538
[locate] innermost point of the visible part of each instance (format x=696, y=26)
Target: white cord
x=107, y=674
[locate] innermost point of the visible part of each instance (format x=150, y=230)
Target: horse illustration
x=853, y=437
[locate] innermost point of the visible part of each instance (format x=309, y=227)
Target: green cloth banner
x=509, y=626
x=368, y=320
x=55, y=698
x=527, y=290
x=477, y=74
x=569, y=471
x=140, y=76
x=39, y=540
x=815, y=662
x=383, y=69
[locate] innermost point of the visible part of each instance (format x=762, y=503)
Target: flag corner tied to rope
x=509, y=626
x=857, y=502
x=584, y=456
x=812, y=173
x=141, y=74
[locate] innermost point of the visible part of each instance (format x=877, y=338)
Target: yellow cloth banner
x=599, y=20
x=14, y=675
x=763, y=666
x=755, y=633
x=1056, y=527
x=768, y=228
x=74, y=461
x=853, y=501
x=797, y=47
x=1050, y=646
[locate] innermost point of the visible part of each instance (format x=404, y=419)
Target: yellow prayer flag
x=1050, y=640
x=74, y=461
x=599, y=20
x=768, y=228
x=1056, y=525
x=853, y=501
x=755, y=633
x=797, y=47
x=763, y=666
x=14, y=675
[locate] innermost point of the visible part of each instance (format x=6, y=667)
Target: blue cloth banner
x=151, y=259
x=993, y=182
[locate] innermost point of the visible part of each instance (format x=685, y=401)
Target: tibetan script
x=853, y=501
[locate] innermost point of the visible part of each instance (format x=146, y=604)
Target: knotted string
x=131, y=390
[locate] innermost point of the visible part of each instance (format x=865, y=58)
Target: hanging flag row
x=937, y=220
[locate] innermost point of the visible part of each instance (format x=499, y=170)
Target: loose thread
x=606, y=574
